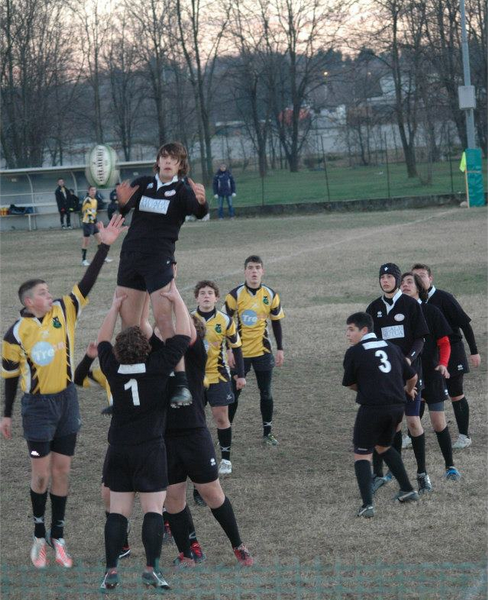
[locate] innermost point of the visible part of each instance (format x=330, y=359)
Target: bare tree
x=200, y=29
x=35, y=51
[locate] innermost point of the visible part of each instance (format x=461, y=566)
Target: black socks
x=227, y=520
x=38, y=510
x=461, y=412
x=363, y=475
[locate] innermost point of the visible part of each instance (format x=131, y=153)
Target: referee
x=377, y=371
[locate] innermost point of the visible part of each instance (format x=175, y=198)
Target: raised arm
x=182, y=316
x=108, y=326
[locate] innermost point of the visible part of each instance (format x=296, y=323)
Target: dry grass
x=296, y=502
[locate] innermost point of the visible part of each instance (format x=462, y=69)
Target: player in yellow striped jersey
x=252, y=304
x=89, y=210
x=220, y=333
x=38, y=350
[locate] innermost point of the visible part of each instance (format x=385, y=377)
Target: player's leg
x=219, y=396
x=132, y=307
x=177, y=514
x=121, y=504
x=439, y=424
x=163, y=315
x=85, y=240
x=460, y=407
x=152, y=537
x=412, y=412
x=364, y=439
x=40, y=453
x=223, y=512
x=263, y=379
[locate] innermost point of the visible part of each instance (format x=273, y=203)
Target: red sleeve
x=444, y=350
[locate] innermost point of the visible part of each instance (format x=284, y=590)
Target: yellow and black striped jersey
x=89, y=210
x=252, y=311
x=221, y=331
x=41, y=352
x=96, y=376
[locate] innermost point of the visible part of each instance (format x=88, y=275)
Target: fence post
x=387, y=168
x=325, y=168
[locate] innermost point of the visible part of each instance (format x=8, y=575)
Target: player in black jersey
x=435, y=358
x=458, y=363
x=399, y=319
x=191, y=454
x=378, y=371
x=161, y=204
x=136, y=457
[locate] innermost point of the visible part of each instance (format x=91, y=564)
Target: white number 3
x=132, y=386
x=385, y=366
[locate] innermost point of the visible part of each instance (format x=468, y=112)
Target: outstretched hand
x=172, y=294
x=199, y=191
x=117, y=301
x=109, y=234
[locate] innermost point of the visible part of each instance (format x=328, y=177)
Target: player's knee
x=39, y=481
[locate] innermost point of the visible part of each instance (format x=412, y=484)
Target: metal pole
x=325, y=168
x=450, y=160
x=467, y=75
x=387, y=168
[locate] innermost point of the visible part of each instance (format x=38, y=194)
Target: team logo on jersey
x=265, y=300
x=218, y=328
x=249, y=318
x=213, y=462
x=56, y=323
x=399, y=317
x=170, y=193
x=379, y=314
x=43, y=353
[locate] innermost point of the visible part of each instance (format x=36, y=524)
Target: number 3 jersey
x=138, y=391
x=379, y=370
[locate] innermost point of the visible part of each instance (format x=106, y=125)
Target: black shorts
x=219, y=394
x=62, y=445
x=458, y=361
x=265, y=362
x=137, y=468
x=376, y=426
x=46, y=417
x=89, y=229
x=139, y=271
x=455, y=385
x=435, y=389
x=191, y=453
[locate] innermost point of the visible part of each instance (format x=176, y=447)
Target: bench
x=32, y=222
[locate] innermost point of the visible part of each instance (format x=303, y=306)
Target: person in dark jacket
x=63, y=201
x=224, y=188
x=113, y=205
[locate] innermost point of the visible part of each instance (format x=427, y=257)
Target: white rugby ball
x=101, y=166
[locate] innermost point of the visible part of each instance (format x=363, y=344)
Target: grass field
x=295, y=503
x=345, y=183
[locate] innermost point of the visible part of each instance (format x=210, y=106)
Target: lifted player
x=458, y=363
x=39, y=349
x=252, y=304
x=220, y=330
x=377, y=370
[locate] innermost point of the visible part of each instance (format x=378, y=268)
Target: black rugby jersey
x=400, y=323
x=193, y=416
x=138, y=391
x=160, y=210
x=379, y=370
x=438, y=328
x=458, y=320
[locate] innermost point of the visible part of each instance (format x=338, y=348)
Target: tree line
x=147, y=71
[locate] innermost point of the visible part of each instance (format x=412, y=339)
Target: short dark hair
x=199, y=326
x=175, y=150
x=131, y=346
x=423, y=294
x=421, y=266
x=361, y=320
x=206, y=283
x=254, y=258
x=26, y=288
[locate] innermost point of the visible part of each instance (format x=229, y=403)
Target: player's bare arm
x=108, y=326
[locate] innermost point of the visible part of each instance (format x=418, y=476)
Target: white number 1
x=385, y=366
x=132, y=386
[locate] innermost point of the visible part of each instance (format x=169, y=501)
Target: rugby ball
x=101, y=166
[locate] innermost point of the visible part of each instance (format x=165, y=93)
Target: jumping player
x=253, y=304
x=161, y=204
x=39, y=350
x=399, y=319
x=458, y=363
x=377, y=371
x=220, y=331
x=435, y=358
x=136, y=456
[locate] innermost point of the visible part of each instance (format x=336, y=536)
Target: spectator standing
x=113, y=206
x=224, y=188
x=62, y=195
